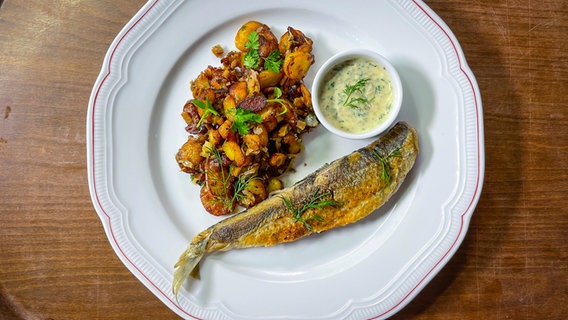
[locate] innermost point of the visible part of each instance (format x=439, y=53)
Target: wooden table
x=56, y=262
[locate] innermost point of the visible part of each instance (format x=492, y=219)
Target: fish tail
x=188, y=261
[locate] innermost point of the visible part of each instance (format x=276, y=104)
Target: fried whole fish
x=339, y=193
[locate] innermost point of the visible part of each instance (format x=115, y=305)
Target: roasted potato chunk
x=269, y=78
x=297, y=64
x=253, y=193
x=234, y=152
x=293, y=39
x=189, y=155
x=267, y=41
x=242, y=35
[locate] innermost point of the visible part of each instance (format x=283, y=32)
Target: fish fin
x=187, y=264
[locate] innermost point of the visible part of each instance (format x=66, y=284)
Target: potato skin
x=297, y=64
x=189, y=155
x=267, y=41
x=292, y=39
x=269, y=78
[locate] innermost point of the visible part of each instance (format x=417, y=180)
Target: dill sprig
x=224, y=179
x=351, y=89
x=240, y=185
x=385, y=166
x=317, y=200
x=223, y=195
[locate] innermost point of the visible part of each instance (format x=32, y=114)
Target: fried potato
x=245, y=121
x=241, y=37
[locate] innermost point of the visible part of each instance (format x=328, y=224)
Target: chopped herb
x=277, y=95
x=240, y=186
x=244, y=117
x=223, y=193
x=206, y=107
x=274, y=61
x=251, y=58
x=223, y=179
x=317, y=200
x=252, y=43
x=385, y=166
x=357, y=87
x=277, y=92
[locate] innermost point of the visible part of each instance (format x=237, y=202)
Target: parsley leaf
x=206, y=107
x=252, y=43
x=244, y=117
x=251, y=58
x=274, y=61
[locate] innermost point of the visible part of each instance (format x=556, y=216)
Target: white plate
x=371, y=269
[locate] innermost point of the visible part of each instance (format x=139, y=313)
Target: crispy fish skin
x=357, y=181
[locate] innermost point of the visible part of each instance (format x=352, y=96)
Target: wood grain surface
x=55, y=259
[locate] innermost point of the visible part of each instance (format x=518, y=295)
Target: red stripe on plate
x=476, y=190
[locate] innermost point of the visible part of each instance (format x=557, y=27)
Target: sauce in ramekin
x=357, y=95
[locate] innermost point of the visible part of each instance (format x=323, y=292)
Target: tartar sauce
x=356, y=95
